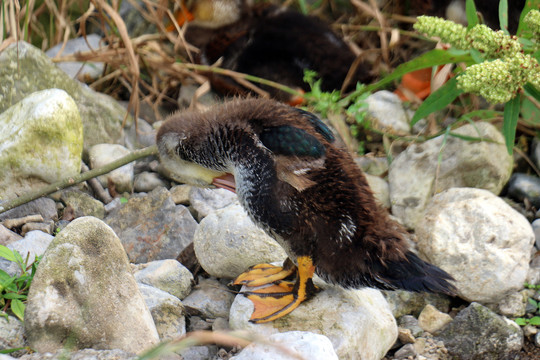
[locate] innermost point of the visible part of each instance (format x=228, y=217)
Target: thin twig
x=74, y=180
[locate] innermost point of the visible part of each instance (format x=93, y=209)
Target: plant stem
x=74, y=180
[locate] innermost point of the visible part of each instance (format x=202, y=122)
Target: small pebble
x=405, y=352
x=523, y=186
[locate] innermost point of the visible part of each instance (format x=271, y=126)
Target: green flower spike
x=532, y=19
x=448, y=31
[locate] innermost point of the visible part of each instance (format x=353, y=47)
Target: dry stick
x=74, y=180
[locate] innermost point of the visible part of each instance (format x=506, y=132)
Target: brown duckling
x=269, y=42
x=305, y=192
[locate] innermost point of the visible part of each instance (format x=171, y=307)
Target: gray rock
x=24, y=69
x=210, y=299
x=533, y=275
x=479, y=333
x=84, y=295
x=86, y=354
x=11, y=333
x=380, y=189
x=387, y=113
x=204, y=201
x=199, y=352
x=220, y=324
x=227, y=243
x=478, y=239
x=432, y=320
x=405, y=352
x=147, y=181
x=376, y=166
x=41, y=141
x=513, y=305
x=416, y=173
x=77, y=69
x=45, y=207
x=537, y=340
x=358, y=322
x=32, y=245
x=83, y=204
x=167, y=275
x=141, y=136
x=167, y=312
x=103, y=154
x=536, y=229
x=152, y=227
x=524, y=186
x=180, y=194
x=405, y=302
x=283, y=346
x=7, y=236
x=411, y=323
x=187, y=95
x=46, y=227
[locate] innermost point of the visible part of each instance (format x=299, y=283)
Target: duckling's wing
x=291, y=141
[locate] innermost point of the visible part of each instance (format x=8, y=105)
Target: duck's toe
x=263, y=274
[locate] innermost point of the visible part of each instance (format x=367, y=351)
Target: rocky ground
x=154, y=263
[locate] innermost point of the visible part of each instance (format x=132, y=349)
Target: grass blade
x=503, y=16
x=510, y=120
x=437, y=100
x=472, y=16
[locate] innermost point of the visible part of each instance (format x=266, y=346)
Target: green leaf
x=17, y=307
x=531, y=90
x=431, y=58
x=477, y=56
x=522, y=27
x=535, y=320
x=437, y=100
x=9, y=351
x=7, y=253
x=472, y=16
x=12, y=295
x=533, y=302
x=520, y=321
x=510, y=120
x=503, y=16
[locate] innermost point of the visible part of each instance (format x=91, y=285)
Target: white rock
x=480, y=240
x=282, y=346
x=227, y=242
x=416, y=174
x=210, y=298
x=167, y=312
x=103, y=154
x=359, y=323
x=380, y=189
x=33, y=244
x=432, y=320
x=167, y=275
x=388, y=113
x=41, y=139
x=204, y=201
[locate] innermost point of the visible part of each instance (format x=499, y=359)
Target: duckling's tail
x=414, y=274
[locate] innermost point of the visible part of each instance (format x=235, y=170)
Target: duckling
x=269, y=42
x=305, y=192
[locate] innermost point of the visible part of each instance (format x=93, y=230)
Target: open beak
x=225, y=182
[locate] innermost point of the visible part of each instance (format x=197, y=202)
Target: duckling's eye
x=289, y=140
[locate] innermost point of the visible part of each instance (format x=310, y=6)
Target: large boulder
x=442, y=163
x=41, y=139
x=84, y=294
x=480, y=240
x=25, y=69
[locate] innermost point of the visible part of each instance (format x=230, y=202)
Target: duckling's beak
x=182, y=15
x=225, y=182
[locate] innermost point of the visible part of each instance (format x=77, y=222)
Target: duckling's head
x=182, y=143
x=210, y=14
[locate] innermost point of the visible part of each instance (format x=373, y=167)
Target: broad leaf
x=437, y=100
x=510, y=120
x=17, y=307
x=535, y=321
x=7, y=253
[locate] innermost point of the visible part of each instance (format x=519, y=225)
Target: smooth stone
x=387, y=112
x=376, y=166
x=45, y=207
x=536, y=229
x=210, y=299
x=78, y=69
x=513, y=305
x=180, y=194
x=204, y=201
x=7, y=236
x=83, y=204
x=405, y=352
x=24, y=69
x=416, y=173
x=380, y=189
x=122, y=177
x=141, y=136
x=199, y=352
x=167, y=275
x=533, y=275
x=478, y=333
x=11, y=333
x=358, y=322
x=32, y=245
x=409, y=322
x=537, y=340
x=84, y=295
x=432, y=320
x=152, y=227
x=47, y=121
x=167, y=312
x=187, y=95
x=405, y=336
x=524, y=186
x=221, y=324
x=480, y=240
x=282, y=346
x=227, y=243
x=147, y=181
